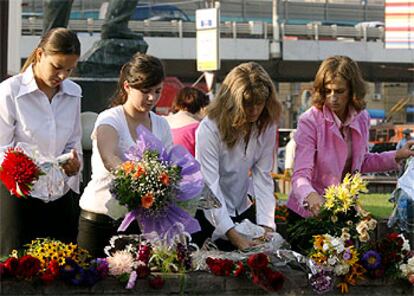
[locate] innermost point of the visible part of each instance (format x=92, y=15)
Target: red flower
x=18, y=172
x=11, y=265
x=28, y=267
x=275, y=281
x=51, y=273
x=143, y=271
x=258, y=261
x=239, y=270
x=156, y=282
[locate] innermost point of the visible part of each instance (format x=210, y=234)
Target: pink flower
x=120, y=262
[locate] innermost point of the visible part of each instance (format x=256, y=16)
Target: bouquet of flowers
x=132, y=257
x=334, y=257
x=340, y=214
x=153, y=184
x=19, y=172
x=386, y=256
x=256, y=267
x=49, y=260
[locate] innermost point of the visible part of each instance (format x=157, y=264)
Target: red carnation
x=239, y=270
x=28, y=267
x=258, y=261
x=156, y=282
x=18, y=172
x=51, y=273
x=11, y=265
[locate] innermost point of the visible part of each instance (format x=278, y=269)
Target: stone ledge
x=200, y=283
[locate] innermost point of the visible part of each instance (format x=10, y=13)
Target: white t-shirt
x=96, y=196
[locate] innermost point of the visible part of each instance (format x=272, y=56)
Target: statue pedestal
x=106, y=57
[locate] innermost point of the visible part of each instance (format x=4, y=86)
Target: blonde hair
x=345, y=68
x=143, y=71
x=55, y=41
x=250, y=84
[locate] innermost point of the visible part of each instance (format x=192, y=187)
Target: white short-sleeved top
x=96, y=196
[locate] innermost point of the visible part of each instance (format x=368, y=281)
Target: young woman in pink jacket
x=332, y=137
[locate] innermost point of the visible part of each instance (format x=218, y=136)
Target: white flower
x=341, y=269
x=332, y=260
x=120, y=262
x=406, y=244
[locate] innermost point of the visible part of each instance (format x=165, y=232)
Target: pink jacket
x=321, y=154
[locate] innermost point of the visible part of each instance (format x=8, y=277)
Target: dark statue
x=117, y=45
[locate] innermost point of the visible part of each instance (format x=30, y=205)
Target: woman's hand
x=315, y=201
x=405, y=152
x=239, y=241
x=72, y=166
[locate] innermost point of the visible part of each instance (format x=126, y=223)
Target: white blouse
x=96, y=196
x=27, y=115
x=226, y=172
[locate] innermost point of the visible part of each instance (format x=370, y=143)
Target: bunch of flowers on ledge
x=255, y=267
x=340, y=215
x=132, y=257
x=48, y=260
x=335, y=258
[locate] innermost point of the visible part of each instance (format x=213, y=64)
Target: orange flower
x=343, y=287
x=147, y=200
x=128, y=167
x=165, y=179
x=140, y=171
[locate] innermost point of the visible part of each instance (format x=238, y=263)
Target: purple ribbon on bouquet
x=190, y=186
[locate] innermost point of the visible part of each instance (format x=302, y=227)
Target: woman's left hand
x=405, y=152
x=72, y=166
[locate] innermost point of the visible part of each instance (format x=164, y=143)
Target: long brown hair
x=55, y=41
x=247, y=83
x=143, y=71
x=345, y=68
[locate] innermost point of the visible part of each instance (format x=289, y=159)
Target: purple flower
x=322, y=282
x=371, y=260
x=132, y=280
x=347, y=255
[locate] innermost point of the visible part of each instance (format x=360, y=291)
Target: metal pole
x=275, y=21
x=4, y=29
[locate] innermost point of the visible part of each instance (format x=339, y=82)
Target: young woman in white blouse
x=238, y=137
x=139, y=89
x=41, y=107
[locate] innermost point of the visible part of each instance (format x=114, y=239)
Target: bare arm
x=107, y=141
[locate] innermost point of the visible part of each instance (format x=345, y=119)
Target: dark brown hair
x=246, y=84
x=190, y=99
x=345, y=68
x=55, y=41
x=141, y=72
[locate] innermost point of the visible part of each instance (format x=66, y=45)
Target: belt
x=99, y=218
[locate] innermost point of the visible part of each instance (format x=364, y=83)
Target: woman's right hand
x=315, y=202
x=239, y=241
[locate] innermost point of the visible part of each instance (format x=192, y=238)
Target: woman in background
x=188, y=109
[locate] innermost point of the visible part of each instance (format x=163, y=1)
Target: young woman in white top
x=236, y=137
x=41, y=107
x=139, y=90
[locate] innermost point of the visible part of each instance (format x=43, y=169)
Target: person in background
x=188, y=109
x=332, y=137
x=40, y=107
x=139, y=88
x=238, y=136
x=406, y=137
x=290, y=154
